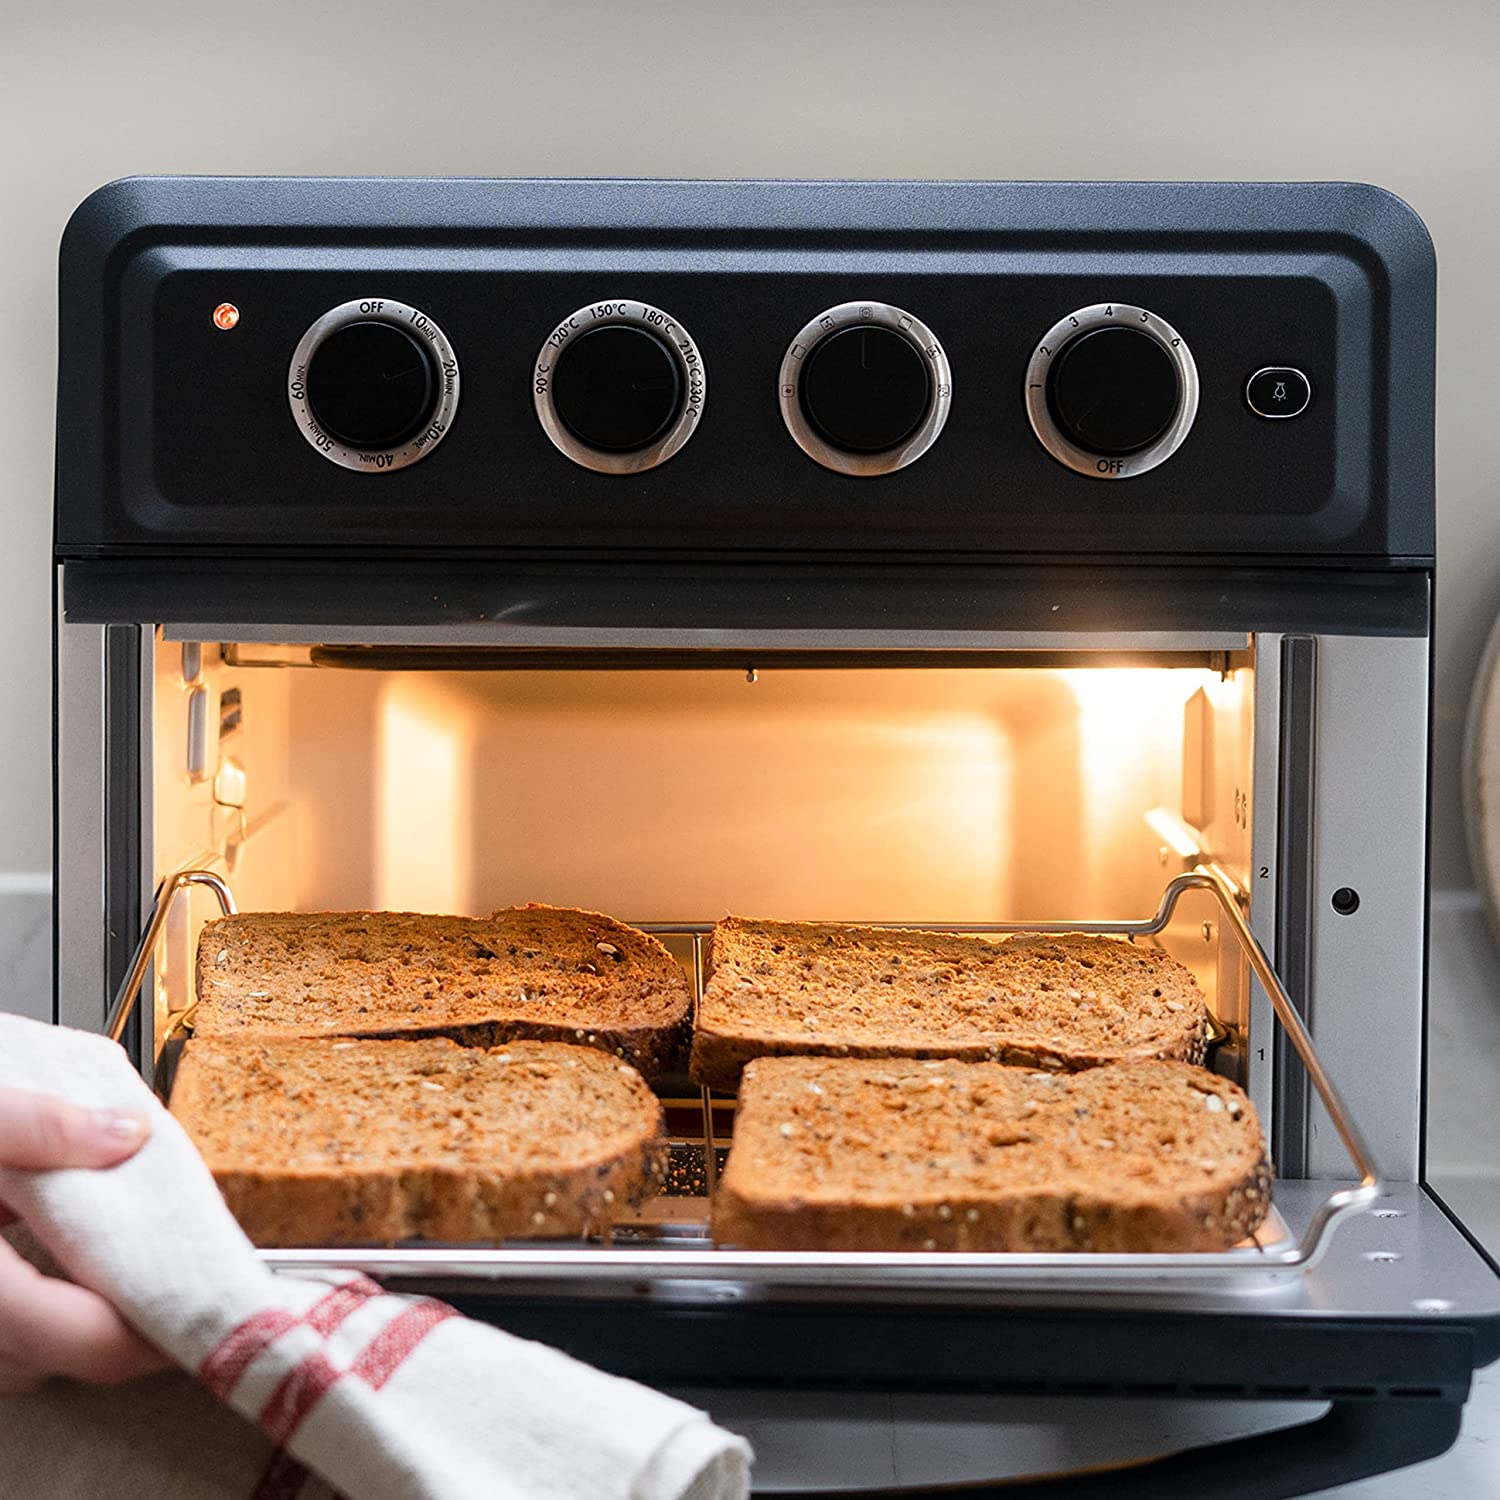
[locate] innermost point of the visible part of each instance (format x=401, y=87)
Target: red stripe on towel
x=327, y=1315
x=228, y=1361
x=384, y=1354
x=234, y=1354
x=302, y=1387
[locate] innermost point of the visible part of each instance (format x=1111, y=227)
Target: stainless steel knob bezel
x=410, y=320
x=881, y=315
x=678, y=342
x=1086, y=320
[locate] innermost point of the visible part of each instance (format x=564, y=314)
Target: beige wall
x=1403, y=95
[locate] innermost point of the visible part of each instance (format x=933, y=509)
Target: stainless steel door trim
x=1370, y=834
x=1296, y=793
x=1265, y=836
x=504, y=633
x=82, y=986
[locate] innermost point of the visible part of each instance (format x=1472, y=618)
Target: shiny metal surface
x=409, y=320
x=130, y=988
x=674, y=338
x=1369, y=831
x=1426, y=1267
x=81, y=980
x=1086, y=320
x=850, y=315
x=507, y=633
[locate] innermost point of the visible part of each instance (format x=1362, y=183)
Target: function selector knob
x=865, y=388
x=619, y=387
x=1111, y=390
x=373, y=385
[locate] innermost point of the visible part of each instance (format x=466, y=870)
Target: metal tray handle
x=129, y=993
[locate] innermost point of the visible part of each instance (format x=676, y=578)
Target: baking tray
x=666, y=1247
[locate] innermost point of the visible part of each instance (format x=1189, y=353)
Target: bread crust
x=333, y=1142
x=823, y=989
x=534, y=972
x=823, y=1159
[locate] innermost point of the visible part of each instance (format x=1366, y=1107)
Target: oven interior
x=1027, y=787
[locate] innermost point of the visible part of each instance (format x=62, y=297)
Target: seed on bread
x=1056, y=1002
x=372, y=1141
x=528, y=971
x=954, y=1167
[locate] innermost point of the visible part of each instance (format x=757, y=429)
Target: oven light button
x=1278, y=391
x=373, y=385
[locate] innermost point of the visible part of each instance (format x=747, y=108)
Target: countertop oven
x=952, y=554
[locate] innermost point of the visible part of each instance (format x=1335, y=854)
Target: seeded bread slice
x=324, y=1142
x=545, y=972
x=849, y=1154
x=828, y=990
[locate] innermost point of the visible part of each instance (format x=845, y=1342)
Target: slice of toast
x=825, y=989
x=853, y=1154
x=336, y=1142
x=545, y=972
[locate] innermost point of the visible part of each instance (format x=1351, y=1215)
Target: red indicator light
x=226, y=315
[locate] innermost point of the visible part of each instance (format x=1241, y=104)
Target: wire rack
x=667, y=1245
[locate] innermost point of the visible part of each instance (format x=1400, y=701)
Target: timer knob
x=373, y=385
x=865, y=388
x=619, y=387
x=1112, y=391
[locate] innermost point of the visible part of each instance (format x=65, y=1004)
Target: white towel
x=350, y=1390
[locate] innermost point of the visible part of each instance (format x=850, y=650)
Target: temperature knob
x=1111, y=390
x=619, y=387
x=865, y=388
x=373, y=385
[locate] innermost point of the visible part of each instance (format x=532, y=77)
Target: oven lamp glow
x=226, y=315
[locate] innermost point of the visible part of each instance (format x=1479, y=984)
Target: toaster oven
x=974, y=556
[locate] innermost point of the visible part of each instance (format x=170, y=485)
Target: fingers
x=50, y=1327
x=39, y=1132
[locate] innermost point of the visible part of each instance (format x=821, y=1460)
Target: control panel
x=960, y=369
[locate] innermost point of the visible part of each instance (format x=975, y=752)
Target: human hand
x=50, y=1327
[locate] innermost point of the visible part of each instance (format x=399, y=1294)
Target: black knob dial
x=865, y=389
x=1113, y=391
x=371, y=385
x=617, y=388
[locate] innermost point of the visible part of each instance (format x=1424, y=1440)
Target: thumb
x=39, y=1132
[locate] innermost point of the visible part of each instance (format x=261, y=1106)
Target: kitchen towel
x=340, y=1387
